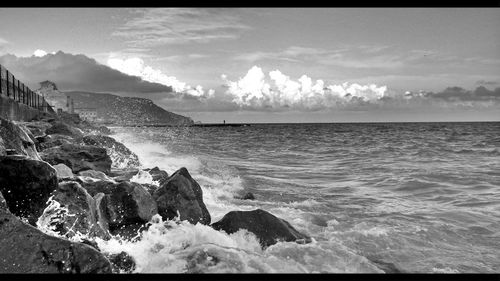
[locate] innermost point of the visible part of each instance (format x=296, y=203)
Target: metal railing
x=19, y=92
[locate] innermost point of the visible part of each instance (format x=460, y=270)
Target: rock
x=78, y=157
x=25, y=249
x=121, y=156
x=103, y=130
x=122, y=263
x=76, y=214
x=16, y=137
x=26, y=185
x=62, y=128
x=96, y=175
x=63, y=172
x=94, y=187
x=158, y=175
x=123, y=175
x=3, y=203
x=49, y=141
x=129, y=203
x=181, y=193
x=268, y=228
x=2, y=147
x=37, y=128
x=387, y=267
x=247, y=196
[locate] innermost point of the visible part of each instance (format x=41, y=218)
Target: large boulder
x=17, y=138
x=267, y=227
x=128, y=204
x=25, y=249
x=121, y=156
x=75, y=214
x=26, y=184
x=182, y=194
x=62, y=128
x=78, y=157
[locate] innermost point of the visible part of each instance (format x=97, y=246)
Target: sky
x=270, y=64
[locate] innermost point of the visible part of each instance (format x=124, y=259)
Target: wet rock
x=123, y=175
x=62, y=128
x=129, y=203
x=98, y=175
x=122, y=263
x=78, y=157
x=49, y=141
x=120, y=155
x=3, y=203
x=268, y=228
x=16, y=137
x=182, y=194
x=76, y=215
x=26, y=185
x=94, y=187
x=25, y=249
x=158, y=175
x=246, y=196
x=37, y=128
x=63, y=172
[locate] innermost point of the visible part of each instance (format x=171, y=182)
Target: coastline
x=91, y=188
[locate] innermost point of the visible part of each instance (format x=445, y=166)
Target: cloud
x=39, y=53
x=136, y=67
x=257, y=92
x=156, y=27
x=77, y=72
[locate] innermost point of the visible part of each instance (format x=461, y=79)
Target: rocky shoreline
x=65, y=182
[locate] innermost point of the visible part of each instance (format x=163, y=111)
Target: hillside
x=119, y=110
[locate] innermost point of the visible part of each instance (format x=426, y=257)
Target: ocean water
x=419, y=197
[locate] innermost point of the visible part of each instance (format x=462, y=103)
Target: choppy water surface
x=424, y=197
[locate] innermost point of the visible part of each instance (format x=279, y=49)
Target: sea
x=374, y=197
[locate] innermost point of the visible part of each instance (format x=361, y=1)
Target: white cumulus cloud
x=39, y=53
x=136, y=67
x=255, y=91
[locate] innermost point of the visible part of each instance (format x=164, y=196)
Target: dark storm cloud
x=77, y=72
x=460, y=94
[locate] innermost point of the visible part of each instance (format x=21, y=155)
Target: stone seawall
x=15, y=111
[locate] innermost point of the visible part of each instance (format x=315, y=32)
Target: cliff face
x=126, y=110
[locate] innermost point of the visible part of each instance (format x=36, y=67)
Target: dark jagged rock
x=247, y=196
x=61, y=128
x=38, y=128
x=120, y=155
x=158, y=175
x=79, y=215
x=181, y=193
x=26, y=184
x=122, y=263
x=49, y=141
x=129, y=203
x=268, y=228
x=95, y=187
x=25, y=249
x=103, y=130
x=78, y=157
x=16, y=137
